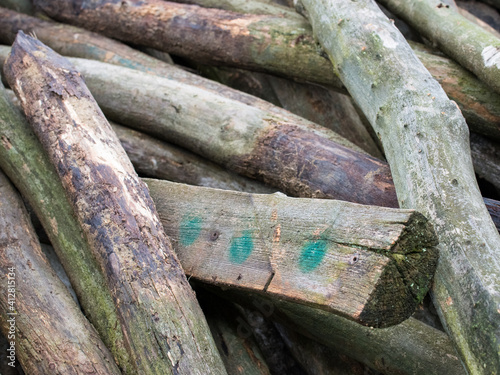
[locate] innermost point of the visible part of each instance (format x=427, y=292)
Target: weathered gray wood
x=425, y=139
x=467, y=43
x=113, y=206
x=43, y=324
x=22, y=158
x=312, y=251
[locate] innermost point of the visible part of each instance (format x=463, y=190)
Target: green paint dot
x=312, y=255
x=190, y=230
x=241, y=247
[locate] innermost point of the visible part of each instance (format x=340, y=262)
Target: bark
x=320, y=105
x=426, y=143
x=169, y=23
x=243, y=244
x=481, y=113
x=40, y=319
x=409, y=348
x=473, y=47
x=154, y=158
x=22, y=158
x=165, y=330
x=276, y=149
x=486, y=158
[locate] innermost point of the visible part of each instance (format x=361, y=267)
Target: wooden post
x=426, y=142
x=370, y=264
x=45, y=328
x=149, y=289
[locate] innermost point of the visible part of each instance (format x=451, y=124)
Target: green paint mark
x=241, y=247
x=312, y=255
x=190, y=230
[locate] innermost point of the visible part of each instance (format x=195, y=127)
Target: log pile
x=249, y=188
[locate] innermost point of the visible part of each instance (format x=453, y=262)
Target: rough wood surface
x=39, y=317
x=315, y=103
x=22, y=158
x=215, y=31
x=293, y=156
x=425, y=139
x=482, y=115
x=113, y=206
x=312, y=251
x=467, y=43
x=154, y=158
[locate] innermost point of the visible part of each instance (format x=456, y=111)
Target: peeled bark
x=370, y=264
x=113, y=206
x=22, y=158
x=467, y=43
x=43, y=324
x=425, y=139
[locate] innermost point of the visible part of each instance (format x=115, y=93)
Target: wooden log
x=173, y=22
x=154, y=158
x=239, y=137
x=271, y=244
x=76, y=42
x=22, y=158
x=425, y=140
x=467, y=43
x=46, y=330
x=486, y=158
x=305, y=100
x=113, y=206
x=411, y=347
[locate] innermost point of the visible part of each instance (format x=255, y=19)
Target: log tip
x=63, y=79
x=406, y=282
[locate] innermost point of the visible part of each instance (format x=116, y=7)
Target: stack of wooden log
x=249, y=187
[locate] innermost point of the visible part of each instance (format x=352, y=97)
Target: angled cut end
x=406, y=282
